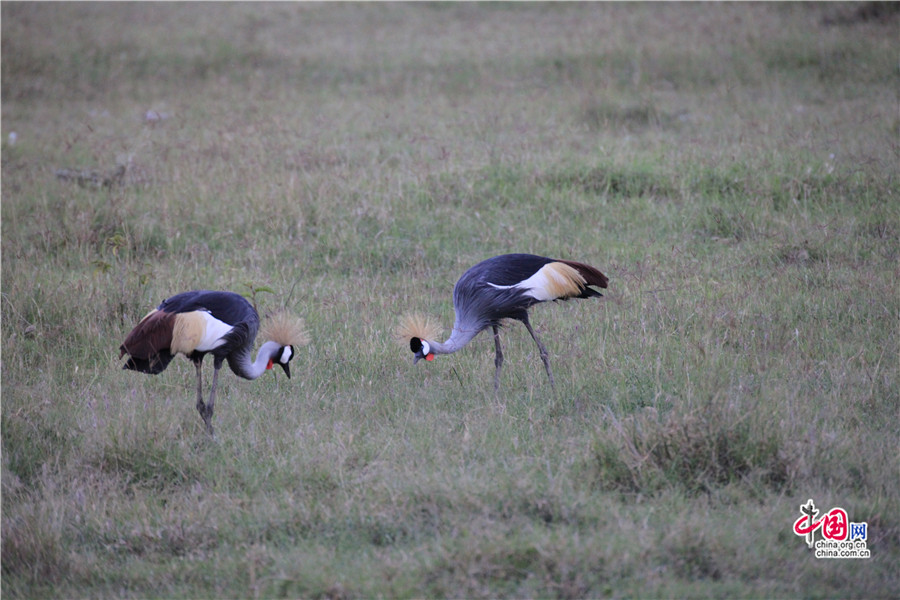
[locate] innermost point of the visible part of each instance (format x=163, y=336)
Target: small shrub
x=697, y=451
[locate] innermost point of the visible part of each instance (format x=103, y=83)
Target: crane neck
x=242, y=367
x=459, y=337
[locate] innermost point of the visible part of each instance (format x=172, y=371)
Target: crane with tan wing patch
x=503, y=287
x=203, y=322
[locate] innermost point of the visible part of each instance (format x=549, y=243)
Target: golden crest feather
x=285, y=329
x=420, y=326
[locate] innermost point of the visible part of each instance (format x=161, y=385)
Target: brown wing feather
x=591, y=275
x=152, y=334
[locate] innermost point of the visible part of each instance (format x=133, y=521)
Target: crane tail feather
x=591, y=276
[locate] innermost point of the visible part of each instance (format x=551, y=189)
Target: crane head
x=416, y=330
x=421, y=349
x=287, y=331
x=282, y=357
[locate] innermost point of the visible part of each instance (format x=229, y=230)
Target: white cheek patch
x=426, y=349
x=285, y=355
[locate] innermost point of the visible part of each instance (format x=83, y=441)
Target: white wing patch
x=198, y=330
x=215, y=331
x=550, y=282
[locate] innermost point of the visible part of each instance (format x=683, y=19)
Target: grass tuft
x=697, y=452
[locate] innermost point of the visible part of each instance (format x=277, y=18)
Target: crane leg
x=201, y=407
x=211, y=399
x=498, y=359
x=544, y=356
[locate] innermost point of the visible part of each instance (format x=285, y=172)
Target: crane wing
x=152, y=335
x=560, y=280
x=148, y=344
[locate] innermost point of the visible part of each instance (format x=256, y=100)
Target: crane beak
x=287, y=369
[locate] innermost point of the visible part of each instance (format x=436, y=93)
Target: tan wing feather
x=187, y=331
x=563, y=280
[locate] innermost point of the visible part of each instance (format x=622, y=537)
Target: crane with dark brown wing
x=223, y=324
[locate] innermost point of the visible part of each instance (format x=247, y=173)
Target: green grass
x=731, y=168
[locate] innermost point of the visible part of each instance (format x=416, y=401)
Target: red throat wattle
x=269, y=366
x=429, y=356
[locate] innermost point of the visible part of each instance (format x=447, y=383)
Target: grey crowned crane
x=503, y=287
x=203, y=322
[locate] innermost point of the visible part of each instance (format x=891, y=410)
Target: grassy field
x=732, y=168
